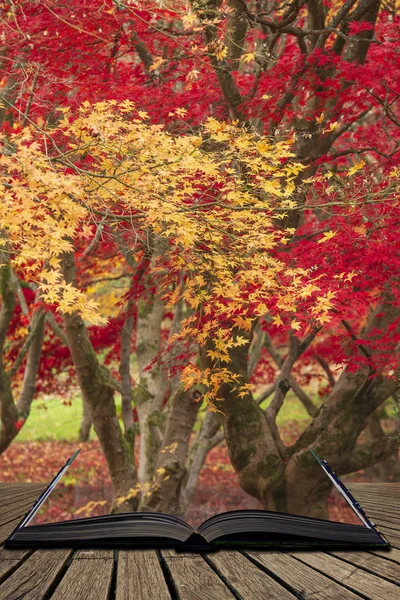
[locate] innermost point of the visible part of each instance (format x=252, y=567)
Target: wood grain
x=372, y=563
x=392, y=554
x=371, y=586
x=8, y=528
x=9, y=559
x=36, y=576
x=140, y=577
x=223, y=575
x=194, y=578
x=246, y=578
x=88, y=577
x=303, y=579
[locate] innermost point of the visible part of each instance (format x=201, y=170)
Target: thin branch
x=296, y=349
x=36, y=324
x=322, y=362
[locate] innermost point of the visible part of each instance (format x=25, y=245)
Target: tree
x=197, y=208
x=312, y=71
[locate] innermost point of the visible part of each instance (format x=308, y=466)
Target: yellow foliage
x=212, y=197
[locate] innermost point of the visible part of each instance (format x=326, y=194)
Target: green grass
x=58, y=422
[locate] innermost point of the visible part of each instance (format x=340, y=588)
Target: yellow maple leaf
x=248, y=57
x=221, y=53
x=333, y=126
x=356, y=168
x=242, y=323
x=193, y=75
x=240, y=341
x=51, y=277
x=350, y=276
x=188, y=20
x=295, y=325
x=328, y=235
x=320, y=118
x=277, y=320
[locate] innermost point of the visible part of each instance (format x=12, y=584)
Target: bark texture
x=98, y=391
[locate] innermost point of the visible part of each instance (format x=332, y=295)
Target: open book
x=233, y=529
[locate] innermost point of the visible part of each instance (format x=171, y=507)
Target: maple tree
x=308, y=75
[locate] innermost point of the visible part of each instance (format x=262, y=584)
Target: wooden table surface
x=68, y=574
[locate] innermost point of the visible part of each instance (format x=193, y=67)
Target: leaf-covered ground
x=88, y=480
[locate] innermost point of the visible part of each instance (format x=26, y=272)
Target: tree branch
x=322, y=362
x=367, y=455
x=36, y=325
x=301, y=394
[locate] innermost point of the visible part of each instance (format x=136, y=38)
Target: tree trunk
x=289, y=479
x=388, y=469
x=171, y=470
x=252, y=447
x=150, y=314
x=11, y=413
x=153, y=382
x=86, y=422
x=207, y=439
x=98, y=392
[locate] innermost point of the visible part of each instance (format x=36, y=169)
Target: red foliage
x=66, y=53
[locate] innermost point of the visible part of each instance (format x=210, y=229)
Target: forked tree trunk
x=288, y=478
x=98, y=391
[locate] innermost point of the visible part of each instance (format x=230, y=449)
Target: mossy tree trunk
x=150, y=387
x=287, y=478
x=98, y=391
x=86, y=422
x=11, y=411
x=165, y=495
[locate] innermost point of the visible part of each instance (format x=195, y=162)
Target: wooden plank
x=246, y=578
x=392, y=536
x=357, y=580
x=27, y=492
x=381, y=513
x=384, y=488
x=369, y=562
x=36, y=576
x=22, y=504
x=375, y=486
x=303, y=579
x=193, y=577
x=392, y=554
x=11, y=515
x=88, y=577
x=9, y=559
x=387, y=494
x=140, y=577
x=9, y=498
x=390, y=505
x=7, y=528
x=387, y=523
